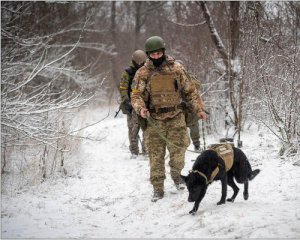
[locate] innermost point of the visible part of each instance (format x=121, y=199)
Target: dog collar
x=201, y=174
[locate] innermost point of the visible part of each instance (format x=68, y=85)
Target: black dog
x=199, y=178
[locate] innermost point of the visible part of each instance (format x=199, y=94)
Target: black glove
x=127, y=105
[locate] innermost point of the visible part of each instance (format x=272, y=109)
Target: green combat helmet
x=139, y=57
x=154, y=43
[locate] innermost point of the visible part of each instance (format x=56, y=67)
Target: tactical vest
x=164, y=90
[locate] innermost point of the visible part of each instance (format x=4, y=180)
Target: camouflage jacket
x=141, y=90
x=126, y=81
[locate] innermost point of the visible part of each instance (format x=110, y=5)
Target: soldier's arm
x=123, y=86
x=138, y=88
x=191, y=93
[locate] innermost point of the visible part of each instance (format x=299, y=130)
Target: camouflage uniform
x=171, y=123
x=174, y=129
x=192, y=122
x=132, y=118
x=191, y=118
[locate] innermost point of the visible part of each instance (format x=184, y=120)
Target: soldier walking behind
x=156, y=93
x=138, y=59
x=191, y=118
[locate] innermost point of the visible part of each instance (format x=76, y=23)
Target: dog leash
x=203, y=136
x=151, y=121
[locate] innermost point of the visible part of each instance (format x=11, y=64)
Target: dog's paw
x=230, y=200
x=192, y=212
x=246, y=195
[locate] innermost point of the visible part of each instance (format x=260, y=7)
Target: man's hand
x=202, y=115
x=144, y=113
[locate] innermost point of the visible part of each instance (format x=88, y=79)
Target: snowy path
x=110, y=197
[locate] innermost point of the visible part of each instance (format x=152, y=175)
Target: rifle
x=117, y=112
x=206, y=112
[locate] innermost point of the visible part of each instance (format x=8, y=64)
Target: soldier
x=191, y=118
x=138, y=59
x=156, y=93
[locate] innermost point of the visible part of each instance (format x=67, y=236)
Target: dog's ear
x=184, y=178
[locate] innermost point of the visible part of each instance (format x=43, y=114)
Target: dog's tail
x=251, y=173
x=254, y=174
x=245, y=171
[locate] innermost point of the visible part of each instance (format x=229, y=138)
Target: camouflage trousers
x=193, y=124
x=195, y=133
x=176, y=132
x=133, y=131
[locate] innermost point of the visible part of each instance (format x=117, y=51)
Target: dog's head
x=196, y=185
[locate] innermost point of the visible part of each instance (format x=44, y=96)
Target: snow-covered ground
x=109, y=196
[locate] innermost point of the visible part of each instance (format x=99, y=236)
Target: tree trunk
x=138, y=24
x=43, y=163
x=229, y=57
x=234, y=29
x=3, y=160
x=114, y=74
x=214, y=34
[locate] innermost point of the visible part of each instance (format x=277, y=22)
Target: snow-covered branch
x=213, y=31
x=36, y=90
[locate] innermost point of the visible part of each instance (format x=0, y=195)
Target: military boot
x=197, y=147
x=134, y=156
x=179, y=184
x=157, y=195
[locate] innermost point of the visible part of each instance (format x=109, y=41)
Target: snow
x=108, y=195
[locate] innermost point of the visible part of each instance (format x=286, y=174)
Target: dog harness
x=225, y=152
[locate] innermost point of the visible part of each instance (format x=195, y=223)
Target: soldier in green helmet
x=138, y=59
x=157, y=93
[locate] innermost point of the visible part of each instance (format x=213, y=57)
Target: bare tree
x=230, y=56
x=273, y=92
x=36, y=104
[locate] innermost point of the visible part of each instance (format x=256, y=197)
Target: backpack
x=123, y=106
x=131, y=72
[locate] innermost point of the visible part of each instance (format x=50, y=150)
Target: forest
x=60, y=57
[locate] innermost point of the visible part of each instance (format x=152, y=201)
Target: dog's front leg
x=195, y=208
x=224, y=190
x=197, y=202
